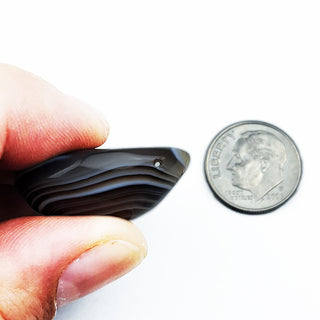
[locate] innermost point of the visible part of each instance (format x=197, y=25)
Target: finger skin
x=34, y=252
x=37, y=122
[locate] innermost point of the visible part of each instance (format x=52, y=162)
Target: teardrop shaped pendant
x=122, y=182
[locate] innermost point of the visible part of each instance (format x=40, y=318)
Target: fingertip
x=82, y=127
x=37, y=121
x=59, y=259
x=96, y=268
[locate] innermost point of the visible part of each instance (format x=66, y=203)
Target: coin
x=253, y=167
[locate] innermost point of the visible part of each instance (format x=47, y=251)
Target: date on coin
x=253, y=167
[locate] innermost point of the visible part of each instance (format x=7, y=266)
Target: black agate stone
x=123, y=182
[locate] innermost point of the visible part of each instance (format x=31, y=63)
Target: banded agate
x=123, y=182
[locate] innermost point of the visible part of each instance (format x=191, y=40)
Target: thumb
x=47, y=262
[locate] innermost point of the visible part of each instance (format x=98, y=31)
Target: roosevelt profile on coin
x=253, y=167
x=257, y=163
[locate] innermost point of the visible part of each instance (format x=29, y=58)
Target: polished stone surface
x=122, y=182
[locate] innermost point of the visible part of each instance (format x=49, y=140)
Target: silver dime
x=253, y=167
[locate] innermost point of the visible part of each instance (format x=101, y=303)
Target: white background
x=174, y=73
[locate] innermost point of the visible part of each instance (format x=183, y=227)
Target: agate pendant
x=123, y=182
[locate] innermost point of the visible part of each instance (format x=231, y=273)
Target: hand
x=46, y=261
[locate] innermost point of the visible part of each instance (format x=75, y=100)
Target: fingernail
x=96, y=268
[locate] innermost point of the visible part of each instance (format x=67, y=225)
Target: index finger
x=37, y=121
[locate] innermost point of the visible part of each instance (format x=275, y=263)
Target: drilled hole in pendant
x=157, y=163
